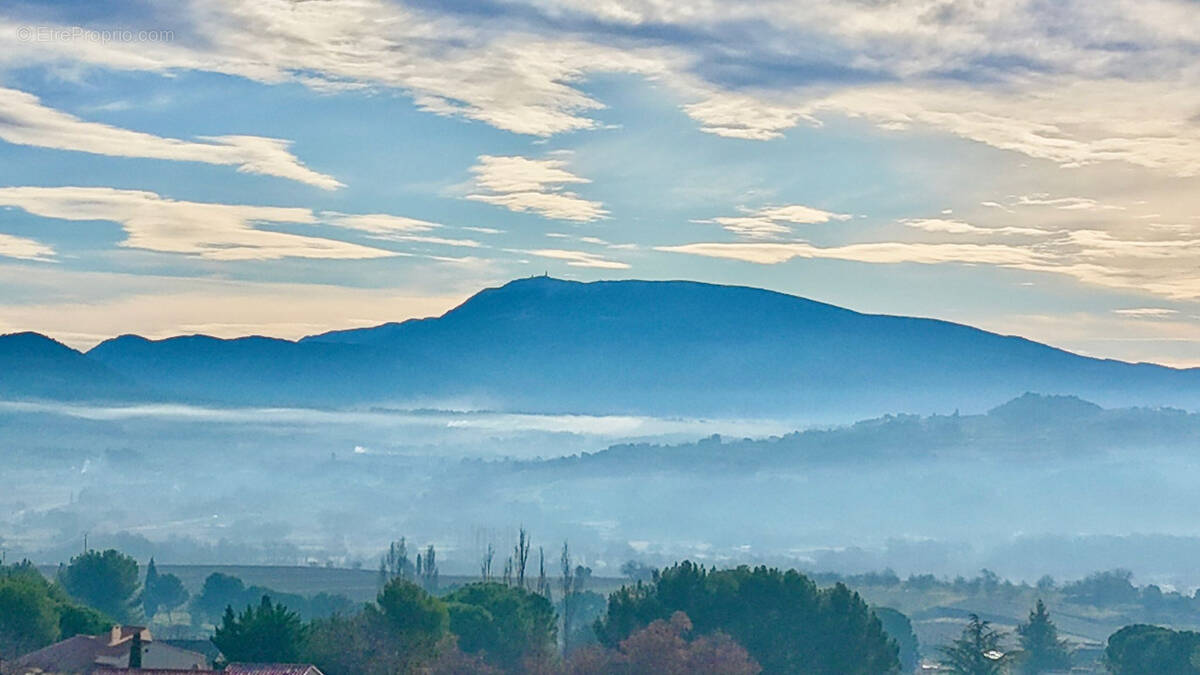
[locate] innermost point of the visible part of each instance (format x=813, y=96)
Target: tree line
x=682, y=619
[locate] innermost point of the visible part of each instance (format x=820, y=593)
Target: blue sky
x=285, y=168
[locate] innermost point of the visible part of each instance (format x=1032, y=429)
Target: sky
x=285, y=168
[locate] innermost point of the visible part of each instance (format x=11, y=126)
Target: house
x=271, y=669
x=142, y=671
x=87, y=654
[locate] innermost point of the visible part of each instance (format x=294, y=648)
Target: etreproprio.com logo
x=79, y=33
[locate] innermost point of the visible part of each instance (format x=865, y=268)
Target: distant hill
x=669, y=347
x=1031, y=427
x=35, y=366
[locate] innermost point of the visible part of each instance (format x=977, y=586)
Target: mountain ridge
x=646, y=347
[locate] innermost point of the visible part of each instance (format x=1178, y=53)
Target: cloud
x=515, y=79
x=532, y=185
x=1060, y=118
x=83, y=308
x=1075, y=83
x=25, y=121
x=206, y=230
x=1166, y=265
x=1065, y=203
x=389, y=227
x=1147, y=312
x=773, y=221
x=1061, y=203
x=12, y=246
x=950, y=226
x=771, y=253
x=579, y=258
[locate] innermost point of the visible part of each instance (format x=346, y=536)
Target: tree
x=568, y=591
x=1042, y=649
x=508, y=625
x=900, y=629
x=521, y=556
x=28, y=617
x=979, y=651
x=218, y=592
x=395, y=563
x=1151, y=650
x=662, y=647
x=543, y=586
x=339, y=645
x=163, y=592
x=782, y=619
x=171, y=594
x=268, y=633
x=1103, y=588
x=149, y=597
x=76, y=619
x=427, y=569
x=411, y=614
x=399, y=633
x=105, y=580
x=485, y=565
x=35, y=612
x=637, y=571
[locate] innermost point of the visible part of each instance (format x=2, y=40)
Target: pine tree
x=1044, y=651
x=979, y=651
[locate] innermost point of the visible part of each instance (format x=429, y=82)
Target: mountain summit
x=653, y=347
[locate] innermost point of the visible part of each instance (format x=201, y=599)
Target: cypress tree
x=150, y=592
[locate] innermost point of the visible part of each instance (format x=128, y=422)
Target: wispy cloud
x=207, y=230
x=517, y=80
x=1147, y=312
x=951, y=226
x=770, y=253
x=25, y=121
x=578, y=258
x=1166, y=266
x=773, y=221
x=1073, y=87
x=12, y=246
x=1061, y=203
x=390, y=227
x=532, y=185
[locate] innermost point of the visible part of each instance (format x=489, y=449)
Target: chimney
x=135, y=650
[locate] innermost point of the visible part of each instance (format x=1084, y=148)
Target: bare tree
x=543, y=586
x=485, y=567
x=395, y=562
x=508, y=571
x=429, y=575
x=568, y=586
x=521, y=556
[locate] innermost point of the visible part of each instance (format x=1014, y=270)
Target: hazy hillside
x=34, y=366
x=1030, y=428
x=547, y=345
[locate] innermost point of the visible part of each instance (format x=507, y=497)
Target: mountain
x=653, y=347
x=1029, y=428
x=35, y=366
